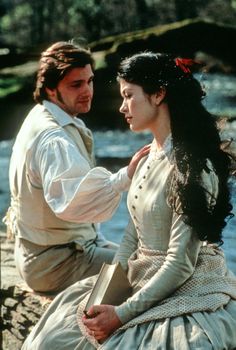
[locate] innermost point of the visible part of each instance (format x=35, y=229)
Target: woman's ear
x=160, y=95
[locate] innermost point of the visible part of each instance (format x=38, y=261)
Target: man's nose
x=88, y=90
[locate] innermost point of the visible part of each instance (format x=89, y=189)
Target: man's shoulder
x=42, y=112
x=39, y=118
x=38, y=122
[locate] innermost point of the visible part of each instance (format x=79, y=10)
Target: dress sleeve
x=128, y=245
x=179, y=265
x=73, y=190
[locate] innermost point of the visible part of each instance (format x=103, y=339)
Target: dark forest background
x=29, y=23
x=112, y=29
x=25, y=24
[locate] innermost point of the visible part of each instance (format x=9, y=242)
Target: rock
x=21, y=308
x=184, y=38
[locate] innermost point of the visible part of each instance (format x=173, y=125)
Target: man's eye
x=76, y=85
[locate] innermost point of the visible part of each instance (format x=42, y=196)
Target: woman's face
x=139, y=108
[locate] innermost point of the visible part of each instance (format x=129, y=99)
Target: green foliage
x=13, y=79
x=27, y=23
x=10, y=85
x=15, y=24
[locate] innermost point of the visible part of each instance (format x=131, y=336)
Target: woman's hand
x=136, y=158
x=101, y=321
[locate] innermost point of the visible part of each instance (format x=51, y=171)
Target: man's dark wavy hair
x=196, y=141
x=55, y=62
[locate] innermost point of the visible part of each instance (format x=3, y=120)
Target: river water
x=115, y=144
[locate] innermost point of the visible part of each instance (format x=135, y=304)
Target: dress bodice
x=147, y=202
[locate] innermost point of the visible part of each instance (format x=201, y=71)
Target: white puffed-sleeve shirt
x=73, y=190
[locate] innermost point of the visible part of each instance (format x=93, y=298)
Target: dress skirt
x=58, y=328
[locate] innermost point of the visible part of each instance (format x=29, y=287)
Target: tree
x=186, y=9
x=27, y=23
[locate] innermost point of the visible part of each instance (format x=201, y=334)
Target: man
x=56, y=192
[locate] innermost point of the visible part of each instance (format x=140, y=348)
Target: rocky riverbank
x=20, y=307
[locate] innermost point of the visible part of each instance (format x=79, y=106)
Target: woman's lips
x=128, y=119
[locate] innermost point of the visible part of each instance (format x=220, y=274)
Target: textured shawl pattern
x=210, y=287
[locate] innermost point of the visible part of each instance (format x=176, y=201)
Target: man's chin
x=84, y=110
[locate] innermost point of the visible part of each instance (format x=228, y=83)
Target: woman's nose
x=123, y=108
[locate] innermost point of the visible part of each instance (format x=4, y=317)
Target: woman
x=183, y=294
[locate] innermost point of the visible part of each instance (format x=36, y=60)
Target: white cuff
x=120, y=181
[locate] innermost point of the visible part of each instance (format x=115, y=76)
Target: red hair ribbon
x=184, y=64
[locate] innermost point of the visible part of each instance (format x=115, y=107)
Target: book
x=112, y=287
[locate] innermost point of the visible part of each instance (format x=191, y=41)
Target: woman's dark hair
x=55, y=62
x=196, y=140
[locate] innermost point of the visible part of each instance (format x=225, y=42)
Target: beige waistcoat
x=30, y=216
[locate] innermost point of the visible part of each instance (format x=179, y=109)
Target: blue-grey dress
x=184, y=296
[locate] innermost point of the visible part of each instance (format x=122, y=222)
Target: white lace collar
x=160, y=153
